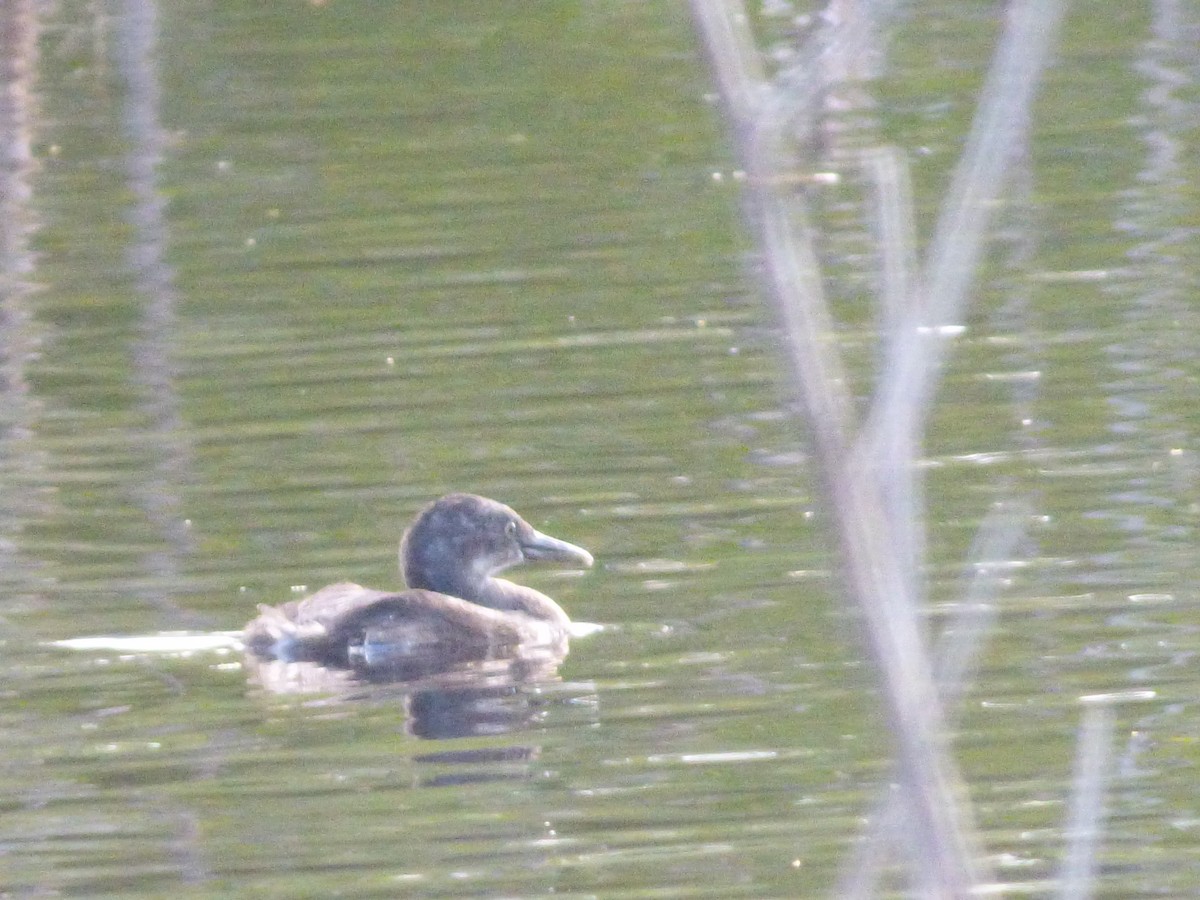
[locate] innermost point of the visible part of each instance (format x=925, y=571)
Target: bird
x=454, y=609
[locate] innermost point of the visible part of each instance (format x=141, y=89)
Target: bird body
x=454, y=609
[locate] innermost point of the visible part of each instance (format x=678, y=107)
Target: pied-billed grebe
x=454, y=609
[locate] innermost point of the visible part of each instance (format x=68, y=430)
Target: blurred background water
x=275, y=275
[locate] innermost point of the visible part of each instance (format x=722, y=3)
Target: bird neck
x=486, y=590
x=504, y=595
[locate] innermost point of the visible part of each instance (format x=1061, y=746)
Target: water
x=305, y=267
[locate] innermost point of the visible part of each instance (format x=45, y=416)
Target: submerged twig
x=956, y=654
x=943, y=834
x=1085, y=819
x=909, y=376
x=873, y=495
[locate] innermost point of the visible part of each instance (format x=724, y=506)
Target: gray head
x=460, y=541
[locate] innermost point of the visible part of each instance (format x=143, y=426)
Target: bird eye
x=510, y=528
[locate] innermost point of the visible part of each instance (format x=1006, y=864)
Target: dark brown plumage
x=454, y=610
